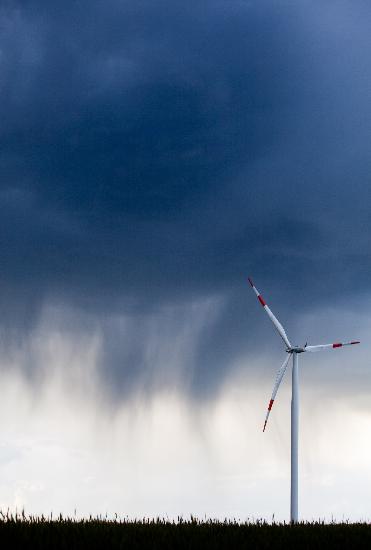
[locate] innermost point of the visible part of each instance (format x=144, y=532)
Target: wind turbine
x=294, y=352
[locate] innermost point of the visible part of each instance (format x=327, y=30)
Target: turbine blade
x=329, y=346
x=275, y=321
x=280, y=375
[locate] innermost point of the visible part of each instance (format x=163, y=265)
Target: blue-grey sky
x=157, y=153
x=153, y=155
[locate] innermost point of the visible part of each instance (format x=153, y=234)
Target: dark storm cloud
x=156, y=152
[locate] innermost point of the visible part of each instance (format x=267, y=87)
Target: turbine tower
x=293, y=351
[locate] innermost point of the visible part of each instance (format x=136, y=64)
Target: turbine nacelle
x=296, y=349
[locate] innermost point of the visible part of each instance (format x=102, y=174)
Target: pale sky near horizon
x=66, y=449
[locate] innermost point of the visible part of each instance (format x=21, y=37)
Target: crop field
x=39, y=532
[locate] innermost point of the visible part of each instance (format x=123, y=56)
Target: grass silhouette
x=28, y=532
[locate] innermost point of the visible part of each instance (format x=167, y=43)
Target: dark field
x=31, y=532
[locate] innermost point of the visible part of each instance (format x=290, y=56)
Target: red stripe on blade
x=270, y=404
x=261, y=300
x=337, y=345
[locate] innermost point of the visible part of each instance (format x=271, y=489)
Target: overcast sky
x=153, y=155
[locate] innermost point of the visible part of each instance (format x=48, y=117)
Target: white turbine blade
x=280, y=375
x=275, y=321
x=329, y=346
